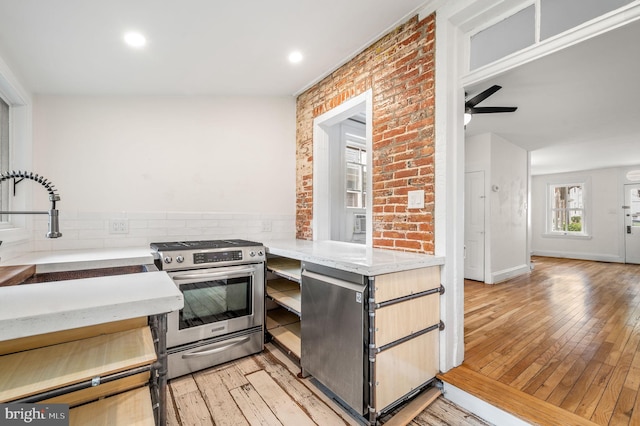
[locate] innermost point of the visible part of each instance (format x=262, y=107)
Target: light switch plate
x=416, y=199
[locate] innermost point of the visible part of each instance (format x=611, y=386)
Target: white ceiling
x=577, y=109
x=195, y=47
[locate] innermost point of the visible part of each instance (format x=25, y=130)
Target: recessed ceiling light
x=295, y=57
x=134, y=39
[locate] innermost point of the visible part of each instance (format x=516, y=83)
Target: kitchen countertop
x=352, y=257
x=31, y=309
x=76, y=260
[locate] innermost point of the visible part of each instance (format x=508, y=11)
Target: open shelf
x=285, y=293
x=285, y=267
x=288, y=336
x=280, y=317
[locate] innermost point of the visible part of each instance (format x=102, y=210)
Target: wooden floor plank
x=512, y=400
x=567, y=334
x=294, y=369
x=315, y=408
x=278, y=401
x=253, y=406
x=215, y=392
x=172, y=415
x=414, y=408
x=444, y=412
x=283, y=391
x=190, y=405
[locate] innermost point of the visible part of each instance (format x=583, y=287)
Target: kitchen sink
x=85, y=273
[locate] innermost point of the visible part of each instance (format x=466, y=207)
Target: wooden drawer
x=399, y=284
x=102, y=390
x=399, y=320
x=405, y=367
x=51, y=367
x=41, y=340
x=130, y=408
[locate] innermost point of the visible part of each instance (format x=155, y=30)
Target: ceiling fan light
x=467, y=118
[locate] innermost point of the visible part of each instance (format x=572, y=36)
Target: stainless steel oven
x=222, y=282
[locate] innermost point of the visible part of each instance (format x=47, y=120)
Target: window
x=356, y=176
x=566, y=209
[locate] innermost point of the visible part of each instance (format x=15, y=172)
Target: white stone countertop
x=352, y=257
x=75, y=260
x=31, y=309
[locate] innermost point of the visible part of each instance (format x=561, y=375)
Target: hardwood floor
x=565, y=337
x=263, y=390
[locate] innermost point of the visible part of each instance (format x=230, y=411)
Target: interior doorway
x=632, y=223
x=474, y=226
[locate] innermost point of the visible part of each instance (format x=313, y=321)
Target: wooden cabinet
x=283, y=303
x=404, y=333
x=400, y=324
x=108, y=371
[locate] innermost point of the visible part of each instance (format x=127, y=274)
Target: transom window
x=566, y=213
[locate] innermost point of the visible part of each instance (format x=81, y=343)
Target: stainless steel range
x=222, y=282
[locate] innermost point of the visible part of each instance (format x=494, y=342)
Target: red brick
x=399, y=68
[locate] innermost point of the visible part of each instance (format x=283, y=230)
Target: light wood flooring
x=557, y=346
x=263, y=389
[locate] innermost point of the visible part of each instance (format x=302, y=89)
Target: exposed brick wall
x=399, y=68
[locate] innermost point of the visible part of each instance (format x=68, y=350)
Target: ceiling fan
x=470, y=107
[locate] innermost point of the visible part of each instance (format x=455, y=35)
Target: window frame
x=18, y=228
x=362, y=171
x=551, y=209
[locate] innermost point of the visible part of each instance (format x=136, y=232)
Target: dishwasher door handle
x=226, y=345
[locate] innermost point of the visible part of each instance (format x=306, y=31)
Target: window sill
x=567, y=236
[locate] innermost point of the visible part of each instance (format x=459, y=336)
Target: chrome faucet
x=54, y=227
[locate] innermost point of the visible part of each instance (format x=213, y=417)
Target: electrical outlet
x=266, y=226
x=119, y=226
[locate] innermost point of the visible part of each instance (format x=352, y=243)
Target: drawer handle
x=228, y=344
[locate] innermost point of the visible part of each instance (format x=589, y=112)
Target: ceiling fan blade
x=490, y=110
x=482, y=96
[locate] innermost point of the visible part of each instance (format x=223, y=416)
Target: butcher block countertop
x=352, y=257
x=12, y=275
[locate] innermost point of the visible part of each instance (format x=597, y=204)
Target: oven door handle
x=219, y=275
x=227, y=344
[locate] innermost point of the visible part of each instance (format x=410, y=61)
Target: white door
x=632, y=223
x=474, y=226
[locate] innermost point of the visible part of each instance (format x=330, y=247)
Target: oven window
x=208, y=302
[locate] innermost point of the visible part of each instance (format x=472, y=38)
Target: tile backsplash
x=96, y=230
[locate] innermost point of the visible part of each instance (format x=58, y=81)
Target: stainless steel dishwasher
x=334, y=330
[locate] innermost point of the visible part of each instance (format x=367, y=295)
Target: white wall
x=508, y=214
x=505, y=168
x=605, y=217
x=168, y=153
x=175, y=167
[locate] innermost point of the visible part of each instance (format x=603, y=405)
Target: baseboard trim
x=506, y=274
x=578, y=256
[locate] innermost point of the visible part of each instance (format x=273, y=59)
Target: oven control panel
x=170, y=260
x=215, y=257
